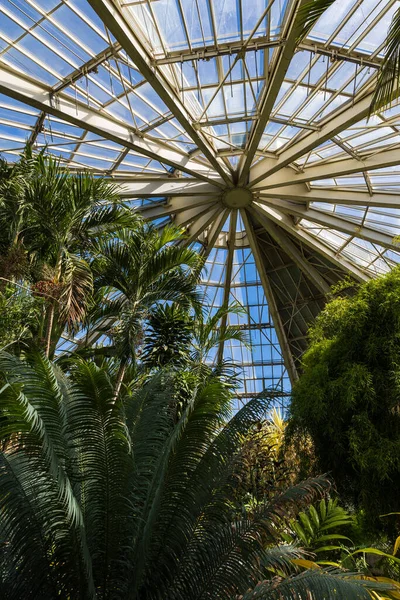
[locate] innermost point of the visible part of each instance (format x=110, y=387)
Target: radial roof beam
x=127, y=34
x=328, y=170
x=179, y=204
x=228, y=278
x=151, y=188
x=26, y=90
x=214, y=232
x=199, y=222
x=290, y=249
x=36, y=129
x=332, y=221
x=334, y=125
x=269, y=295
x=302, y=194
x=273, y=83
x=315, y=245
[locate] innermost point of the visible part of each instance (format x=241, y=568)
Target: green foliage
x=109, y=498
x=347, y=398
x=308, y=15
x=389, y=72
x=168, y=336
x=50, y=222
x=134, y=273
x=20, y=318
x=319, y=528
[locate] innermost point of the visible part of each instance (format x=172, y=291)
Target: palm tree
x=59, y=218
x=106, y=498
x=175, y=337
x=388, y=76
x=13, y=219
x=168, y=336
x=134, y=273
x=210, y=333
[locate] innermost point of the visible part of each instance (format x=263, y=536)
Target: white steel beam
x=224, y=49
x=27, y=90
x=175, y=206
x=269, y=295
x=128, y=35
x=271, y=88
x=332, y=221
x=336, y=123
x=336, y=168
x=214, y=232
x=301, y=193
x=199, y=223
x=228, y=277
x=317, y=246
x=150, y=188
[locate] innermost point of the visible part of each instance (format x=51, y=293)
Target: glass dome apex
x=182, y=102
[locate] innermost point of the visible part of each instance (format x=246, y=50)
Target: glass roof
x=209, y=113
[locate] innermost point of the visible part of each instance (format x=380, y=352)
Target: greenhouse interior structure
x=259, y=139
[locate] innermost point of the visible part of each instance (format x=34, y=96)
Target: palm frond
x=77, y=288
x=34, y=478
x=315, y=584
x=386, y=88
x=309, y=14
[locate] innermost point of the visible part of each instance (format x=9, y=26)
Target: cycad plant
x=109, y=498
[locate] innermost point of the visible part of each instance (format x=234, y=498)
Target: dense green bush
x=348, y=397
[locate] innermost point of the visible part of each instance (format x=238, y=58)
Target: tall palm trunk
x=52, y=307
x=120, y=377
x=49, y=329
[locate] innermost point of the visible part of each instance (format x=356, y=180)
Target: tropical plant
x=262, y=469
x=52, y=219
x=193, y=338
x=107, y=498
x=20, y=318
x=268, y=461
x=132, y=274
x=13, y=214
x=167, y=337
x=347, y=398
x=388, y=76
x=319, y=529
x=211, y=330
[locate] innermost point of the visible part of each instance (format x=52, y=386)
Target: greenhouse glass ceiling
x=207, y=113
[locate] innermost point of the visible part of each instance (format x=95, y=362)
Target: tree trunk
x=50, y=321
x=120, y=378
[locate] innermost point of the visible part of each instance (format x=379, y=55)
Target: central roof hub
x=237, y=197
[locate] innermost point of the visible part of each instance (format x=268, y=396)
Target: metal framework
x=210, y=114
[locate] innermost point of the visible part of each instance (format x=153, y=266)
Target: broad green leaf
x=327, y=549
x=396, y=546
x=332, y=536
x=377, y=552
x=322, y=509
x=306, y=522
x=314, y=516
x=306, y=564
